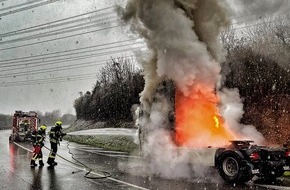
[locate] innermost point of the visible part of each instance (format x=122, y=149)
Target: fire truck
x=24, y=123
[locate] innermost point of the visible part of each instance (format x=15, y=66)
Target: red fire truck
x=24, y=123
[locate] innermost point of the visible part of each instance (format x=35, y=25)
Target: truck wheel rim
x=230, y=167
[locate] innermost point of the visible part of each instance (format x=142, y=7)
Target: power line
x=39, y=42
x=28, y=7
x=22, y=73
x=19, y=5
x=52, y=80
x=69, y=77
x=48, y=82
x=9, y=34
x=58, y=31
x=51, y=62
x=23, y=62
x=70, y=50
x=48, y=24
x=73, y=58
x=56, y=69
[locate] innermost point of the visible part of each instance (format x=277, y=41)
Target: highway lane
x=16, y=172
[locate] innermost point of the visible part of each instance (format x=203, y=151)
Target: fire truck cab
x=24, y=123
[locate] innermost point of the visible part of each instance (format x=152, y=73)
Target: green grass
x=287, y=174
x=108, y=142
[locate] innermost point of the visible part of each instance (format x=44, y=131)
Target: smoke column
x=183, y=39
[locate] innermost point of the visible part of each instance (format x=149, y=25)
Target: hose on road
x=106, y=174
x=89, y=169
x=80, y=164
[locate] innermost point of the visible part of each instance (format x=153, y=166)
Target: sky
x=64, y=60
x=50, y=53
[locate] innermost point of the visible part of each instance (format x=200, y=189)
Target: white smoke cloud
x=232, y=111
x=183, y=37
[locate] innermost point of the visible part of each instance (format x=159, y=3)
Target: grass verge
x=287, y=174
x=108, y=142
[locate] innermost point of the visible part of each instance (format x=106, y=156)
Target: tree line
x=5, y=121
x=49, y=118
x=117, y=88
x=258, y=64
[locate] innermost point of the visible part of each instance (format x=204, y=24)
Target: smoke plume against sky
x=46, y=97
x=183, y=39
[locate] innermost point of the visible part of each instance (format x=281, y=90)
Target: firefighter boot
x=41, y=163
x=32, y=163
x=51, y=162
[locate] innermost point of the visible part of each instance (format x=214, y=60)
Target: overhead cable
x=49, y=24
x=43, y=60
x=54, y=62
x=28, y=7
x=38, y=82
x=59, y=52
x=60, y=38
x=19, y=5
x=60, y=31
x=54, y=69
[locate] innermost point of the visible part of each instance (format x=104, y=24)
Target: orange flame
x=198, y=123
x=216, y=120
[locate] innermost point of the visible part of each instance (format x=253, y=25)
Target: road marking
x=109, y=155
x=83, y=169
x=274, y=187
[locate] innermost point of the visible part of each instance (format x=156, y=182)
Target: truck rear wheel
x=231, y=168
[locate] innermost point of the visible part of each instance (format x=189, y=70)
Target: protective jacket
x=38, y=138
x=55, y=135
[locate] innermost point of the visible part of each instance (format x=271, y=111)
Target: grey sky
x=59, y=95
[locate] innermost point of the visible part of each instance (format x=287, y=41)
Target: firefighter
x=55, y=136
x=38, y=142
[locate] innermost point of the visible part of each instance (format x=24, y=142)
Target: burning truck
x=186, y=115
x=237, y=161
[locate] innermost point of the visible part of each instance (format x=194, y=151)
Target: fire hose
x=80, y=164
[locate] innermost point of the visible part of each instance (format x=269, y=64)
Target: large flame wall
x=198, y=122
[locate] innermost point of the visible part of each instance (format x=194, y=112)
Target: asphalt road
x=16, y=172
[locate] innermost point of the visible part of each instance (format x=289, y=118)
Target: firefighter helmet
x=58, y=123
x=43, y=127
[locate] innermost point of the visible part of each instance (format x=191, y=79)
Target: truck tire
x=232, y=169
